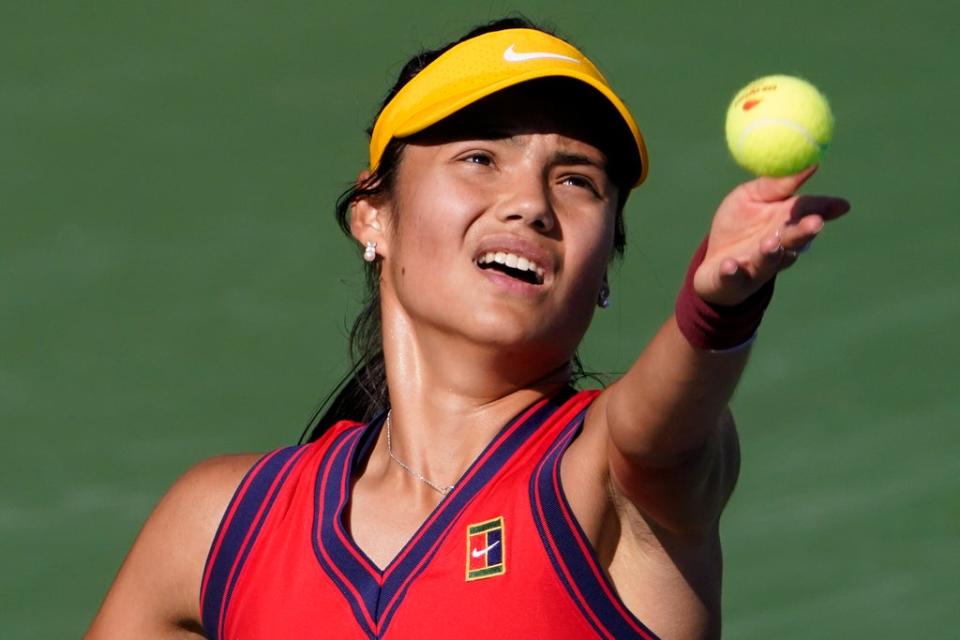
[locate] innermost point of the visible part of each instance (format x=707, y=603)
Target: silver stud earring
x=370, y=252
x=603, y=300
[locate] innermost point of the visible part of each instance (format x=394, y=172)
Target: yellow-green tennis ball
x=778, y=126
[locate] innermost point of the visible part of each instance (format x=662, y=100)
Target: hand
x=759, y=230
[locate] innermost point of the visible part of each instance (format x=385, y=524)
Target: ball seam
x=782, y=121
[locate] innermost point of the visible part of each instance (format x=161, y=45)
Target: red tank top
x=501, y=556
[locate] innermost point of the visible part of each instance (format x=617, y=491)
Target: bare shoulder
x=157, y=590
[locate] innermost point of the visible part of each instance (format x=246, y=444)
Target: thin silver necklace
x=419, y=476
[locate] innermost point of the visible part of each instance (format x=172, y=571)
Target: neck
x=449, y=397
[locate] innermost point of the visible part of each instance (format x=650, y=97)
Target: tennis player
x=458, y=486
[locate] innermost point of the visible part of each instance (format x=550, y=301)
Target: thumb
x=775, y=189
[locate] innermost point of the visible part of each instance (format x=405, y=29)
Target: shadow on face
x=547, y=105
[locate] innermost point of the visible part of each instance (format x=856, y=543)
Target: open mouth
x=512, y=265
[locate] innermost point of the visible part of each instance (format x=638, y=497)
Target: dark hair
x=362, y=393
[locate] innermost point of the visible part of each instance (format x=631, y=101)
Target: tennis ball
x=778, y=125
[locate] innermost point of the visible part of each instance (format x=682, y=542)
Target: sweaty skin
x=466, y=348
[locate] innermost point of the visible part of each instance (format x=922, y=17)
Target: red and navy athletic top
x=501, y=555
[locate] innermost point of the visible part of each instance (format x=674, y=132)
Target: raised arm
x=672, y=443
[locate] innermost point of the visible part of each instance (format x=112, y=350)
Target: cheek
x=426, y=242
x=435, y=212
x=594, y=247
x=434, y=217
x=586, y=261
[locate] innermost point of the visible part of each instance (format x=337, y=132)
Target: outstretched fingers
x=760, y=229
x=808, y=215
x=827, y=207
x=796, y=235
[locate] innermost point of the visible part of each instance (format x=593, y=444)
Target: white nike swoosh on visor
x=476, y=553
x=513, y=56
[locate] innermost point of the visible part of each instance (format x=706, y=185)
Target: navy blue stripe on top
x=565, y=541
x=236, y=544
x=342, y=567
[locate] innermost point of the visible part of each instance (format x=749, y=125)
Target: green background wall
x=172, y=283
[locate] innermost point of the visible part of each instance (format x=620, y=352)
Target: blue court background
x=172, y=284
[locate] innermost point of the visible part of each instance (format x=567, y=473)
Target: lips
x=511, y=264
x=519, y=259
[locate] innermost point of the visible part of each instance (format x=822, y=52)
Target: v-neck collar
x=375, y=594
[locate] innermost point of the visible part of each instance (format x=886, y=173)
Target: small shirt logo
x=485, y=555
x=515, y=56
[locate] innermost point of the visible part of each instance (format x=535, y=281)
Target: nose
x=528, y=202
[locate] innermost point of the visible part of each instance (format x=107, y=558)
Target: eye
x=478, y=157
x=580, y=182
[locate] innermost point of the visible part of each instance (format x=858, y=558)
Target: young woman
x=468, y=491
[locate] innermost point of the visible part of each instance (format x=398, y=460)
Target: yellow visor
x=483, y=65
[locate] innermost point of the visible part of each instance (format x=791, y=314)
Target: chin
x=520, y=334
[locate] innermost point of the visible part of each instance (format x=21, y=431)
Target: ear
x=368, y=217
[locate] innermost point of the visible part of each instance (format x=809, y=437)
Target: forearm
x=670, y=401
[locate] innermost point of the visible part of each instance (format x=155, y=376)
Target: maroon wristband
x=717, y=327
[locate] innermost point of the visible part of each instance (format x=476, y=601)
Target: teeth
x=511, y=260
